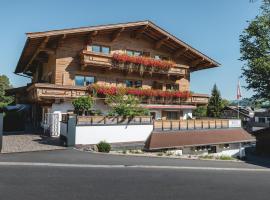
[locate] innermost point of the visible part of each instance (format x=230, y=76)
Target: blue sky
x=211, y=26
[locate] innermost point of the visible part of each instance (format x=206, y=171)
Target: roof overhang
x=36, y=42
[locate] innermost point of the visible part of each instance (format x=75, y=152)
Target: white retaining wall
x=112, y=134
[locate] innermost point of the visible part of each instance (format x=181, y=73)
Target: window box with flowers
x=109, y=90
x=141, y=63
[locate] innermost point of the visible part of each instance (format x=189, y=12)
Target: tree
x=83, y=104
x=255, y=50
x=215, y=103
x=224, y=103
x=200, y=111
x=125, y=105
x=4, y=85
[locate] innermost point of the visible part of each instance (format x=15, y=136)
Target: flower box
x=108, y=90
x=143, y=61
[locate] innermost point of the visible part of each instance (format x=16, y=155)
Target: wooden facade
x=53, y=59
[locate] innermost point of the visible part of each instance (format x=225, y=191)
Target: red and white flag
x=239, y=95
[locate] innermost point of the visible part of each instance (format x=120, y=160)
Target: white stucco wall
x=112, y=134
x=99, y=105
x=187, y=113
x=62, y=107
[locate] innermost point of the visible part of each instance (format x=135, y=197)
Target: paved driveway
x=28, y=142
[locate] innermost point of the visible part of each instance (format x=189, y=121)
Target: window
x=84, y=80
x=131, y=83
x=261, y=119
x=172, y=87
x=157, y=86
x=160, y=57
x=172, y=115
x=88, y=80
x=79, y=80
x=133, y=53
x=137, y=84
x=100, y=49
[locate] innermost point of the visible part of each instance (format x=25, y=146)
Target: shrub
x=83, y=104
x=103, y=146
x=125, y=105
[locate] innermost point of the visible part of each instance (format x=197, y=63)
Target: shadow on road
x=255, y=159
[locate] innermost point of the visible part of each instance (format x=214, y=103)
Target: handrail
x=105, y=120
x=174, y=125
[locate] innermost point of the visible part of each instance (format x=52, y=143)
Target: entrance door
x=153, y=114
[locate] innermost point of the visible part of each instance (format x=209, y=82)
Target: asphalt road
x=69, y=174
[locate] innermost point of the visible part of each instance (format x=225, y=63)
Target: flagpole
x=238, y=109
x=239, y=95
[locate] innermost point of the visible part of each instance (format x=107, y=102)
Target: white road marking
x=39, y=164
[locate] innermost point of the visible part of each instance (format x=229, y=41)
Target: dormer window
x=100, y=49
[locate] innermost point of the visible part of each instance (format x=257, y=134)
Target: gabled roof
x=147, y=28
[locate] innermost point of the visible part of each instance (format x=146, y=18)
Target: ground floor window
x=171, y=115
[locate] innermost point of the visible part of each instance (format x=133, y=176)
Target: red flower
x=141, y=60
x=109, y=90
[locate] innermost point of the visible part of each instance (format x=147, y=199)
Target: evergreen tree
x=215, y=103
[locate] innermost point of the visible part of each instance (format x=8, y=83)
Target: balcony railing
x=105, y=120
x=176, y=101
x=175, y=125
x=89, y=58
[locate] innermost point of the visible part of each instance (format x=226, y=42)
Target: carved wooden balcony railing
x=46, y=91
x=194, y=99
x=89, y=58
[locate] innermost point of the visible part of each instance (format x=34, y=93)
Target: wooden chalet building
x=140, y=56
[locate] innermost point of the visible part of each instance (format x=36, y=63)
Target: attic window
x=133, y=53
x=100, y=49
x=160, y=57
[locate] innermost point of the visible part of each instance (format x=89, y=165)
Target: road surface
x=70, y=174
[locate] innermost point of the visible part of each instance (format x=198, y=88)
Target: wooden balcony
x=46, y=91
x=195, y=99
x=89, y=58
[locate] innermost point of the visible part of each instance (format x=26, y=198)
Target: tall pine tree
x=215, y=103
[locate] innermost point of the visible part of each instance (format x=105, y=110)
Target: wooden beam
x=196, y=62
x=41, y=46
x=116, y=34
x=137, y=34
x=180, y=52
x=48, y=51
x=90, y=37
x=160, y=42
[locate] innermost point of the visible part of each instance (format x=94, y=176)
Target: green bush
x=83, y=104
x=126, y=106
x=103, y=146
